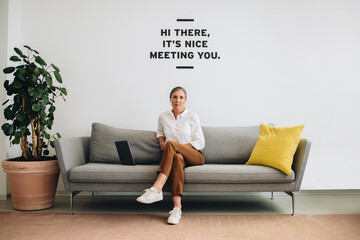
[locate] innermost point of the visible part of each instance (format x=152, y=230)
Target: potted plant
x=29, y=111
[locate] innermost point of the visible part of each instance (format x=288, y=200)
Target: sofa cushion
x=208, y=173
x=276, y=147
x=229, y=144
x=144, y=145
x=113, y=173
x=235, y=173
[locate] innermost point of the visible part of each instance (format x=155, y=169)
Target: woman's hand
x=162, y=145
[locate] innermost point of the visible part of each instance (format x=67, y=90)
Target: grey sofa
x=92, y=163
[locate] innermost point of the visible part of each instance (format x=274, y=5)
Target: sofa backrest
x=229, y=144
x=222, y=144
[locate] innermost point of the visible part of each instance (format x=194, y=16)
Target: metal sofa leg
x=72, y=195
x=292, y=195
x=272, y=196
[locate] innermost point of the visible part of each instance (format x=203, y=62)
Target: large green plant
x=30, y=108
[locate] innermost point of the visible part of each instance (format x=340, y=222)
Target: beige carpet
x=48, y=226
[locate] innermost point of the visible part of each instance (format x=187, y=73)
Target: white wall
x=284, y=62
x=3, y=62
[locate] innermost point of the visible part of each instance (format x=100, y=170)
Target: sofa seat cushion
x=235, y=173
x=113, y=173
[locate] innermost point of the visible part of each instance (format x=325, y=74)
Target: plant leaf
x=40, y=61
x=7, y=129
x=47, y=136
x=26, y=46
x=23, y=129
x=48, y=80
x=19, y=52
x=43, y=106
x=8, y=114
x=17, y=135
x=8, y=70
x=44, y=72
x=36, y=107
x=63, y=90
x=21, y=73
x=15, y=59
x=32, y=50
x=31, y=91
x=6, y=102
x=17, y=84
x=58, y=77
x=55, y=68
x=20, y=116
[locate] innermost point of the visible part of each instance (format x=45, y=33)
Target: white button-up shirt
x=185, y=129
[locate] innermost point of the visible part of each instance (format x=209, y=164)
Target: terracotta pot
x=32, y=184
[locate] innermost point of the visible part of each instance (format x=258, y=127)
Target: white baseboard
x=5, y=196
x=329, y=192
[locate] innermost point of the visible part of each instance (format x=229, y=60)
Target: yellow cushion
x=276, y=147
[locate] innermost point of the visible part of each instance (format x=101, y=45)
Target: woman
x=181, y=138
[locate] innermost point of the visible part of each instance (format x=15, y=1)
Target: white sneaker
x=175, y=216
x=150, y=196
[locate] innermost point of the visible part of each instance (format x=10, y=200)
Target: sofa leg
x=72, y=195
x=292, y=195
x=92, y=195
x=272, y=196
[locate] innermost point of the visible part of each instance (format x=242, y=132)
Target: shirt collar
x=181, y=115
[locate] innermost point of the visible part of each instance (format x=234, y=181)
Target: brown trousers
x=175, y=157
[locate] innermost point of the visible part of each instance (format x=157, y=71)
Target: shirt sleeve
x=197, y=135
x=160, y=129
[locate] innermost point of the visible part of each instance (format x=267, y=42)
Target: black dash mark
x=184, y=67
x=185, y=20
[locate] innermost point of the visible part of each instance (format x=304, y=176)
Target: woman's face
x=178, y=100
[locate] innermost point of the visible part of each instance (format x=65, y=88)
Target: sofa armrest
x=300, y=160
x=71, y=152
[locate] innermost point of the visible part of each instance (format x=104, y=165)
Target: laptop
x=124, y=152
